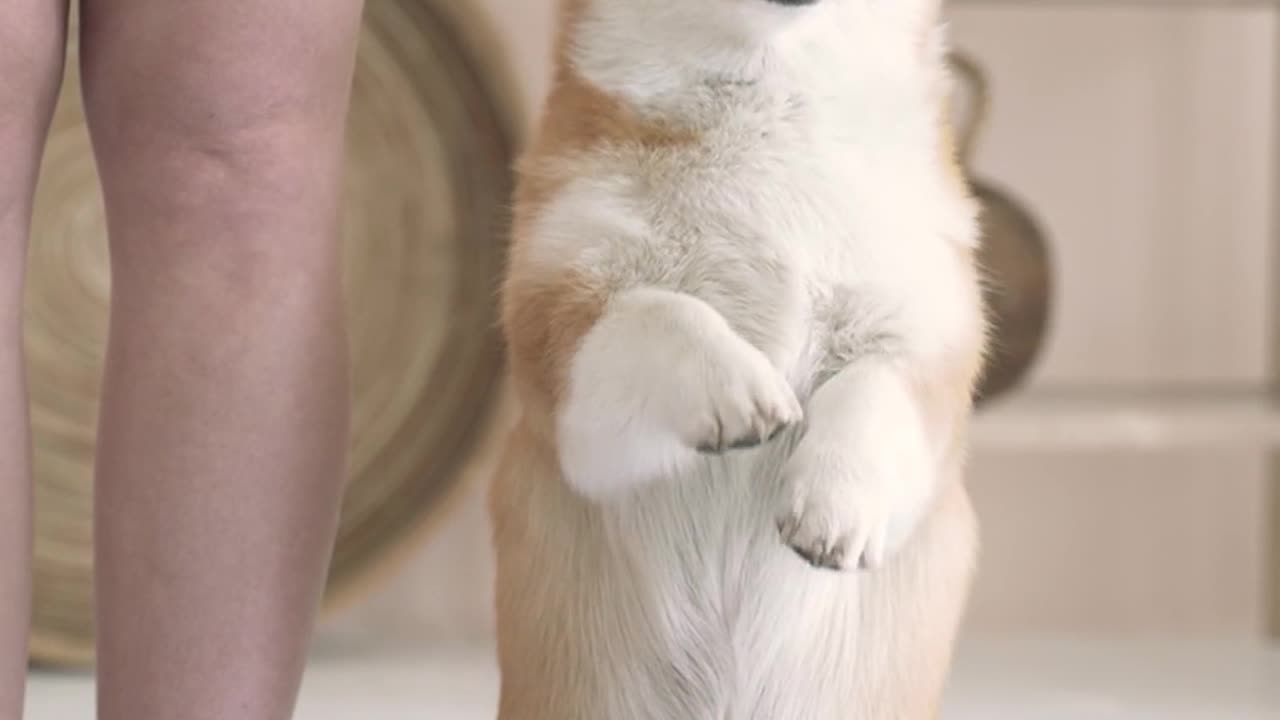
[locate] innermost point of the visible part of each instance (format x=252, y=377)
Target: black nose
x=793, y=2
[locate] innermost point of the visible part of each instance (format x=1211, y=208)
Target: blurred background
x=1127, y=482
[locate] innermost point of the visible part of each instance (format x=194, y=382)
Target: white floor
x=1046, y=680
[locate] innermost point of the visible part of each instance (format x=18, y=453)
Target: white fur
x=629, y=420
x=802, y=253
x=860, y=478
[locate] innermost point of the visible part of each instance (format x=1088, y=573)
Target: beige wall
x=1143, y=138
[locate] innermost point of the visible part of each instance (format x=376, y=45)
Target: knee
x=219, y=136
x=237, y=178
x=200, y=132
x=202, y=129
x=236, y=184
x=234, y=213
x=227, y=165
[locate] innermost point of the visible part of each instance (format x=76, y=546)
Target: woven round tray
x=432, y=131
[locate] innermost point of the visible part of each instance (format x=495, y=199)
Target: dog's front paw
x=739, y=399
x=841, y=511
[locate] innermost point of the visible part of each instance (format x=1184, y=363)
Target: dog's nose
x=795, y=3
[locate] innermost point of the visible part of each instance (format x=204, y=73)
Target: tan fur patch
x=545, y=319
x=580, y=117
x=581, y=123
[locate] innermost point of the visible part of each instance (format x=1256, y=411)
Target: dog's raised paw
x=747, y=402
x=831, y=518
x=828, y=551
x=817, y=552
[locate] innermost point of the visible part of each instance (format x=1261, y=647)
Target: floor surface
x=994, y=680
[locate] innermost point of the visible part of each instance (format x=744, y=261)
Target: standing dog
x=745, y=324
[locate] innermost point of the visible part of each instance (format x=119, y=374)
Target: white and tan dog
x=744, y=322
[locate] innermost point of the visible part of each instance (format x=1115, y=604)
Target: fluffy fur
x=745, y=324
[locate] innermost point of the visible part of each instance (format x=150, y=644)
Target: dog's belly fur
x=682, y=603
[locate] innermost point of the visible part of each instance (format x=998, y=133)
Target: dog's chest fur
x=811, y=209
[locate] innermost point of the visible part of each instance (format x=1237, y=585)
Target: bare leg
x=32, y=48
x=218, y=126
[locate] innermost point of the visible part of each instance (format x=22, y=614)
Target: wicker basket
x=433, y=126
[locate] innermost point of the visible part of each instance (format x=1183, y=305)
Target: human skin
x=32, y=44
x=218, y=130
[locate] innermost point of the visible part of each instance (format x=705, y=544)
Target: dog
x=744, y=325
